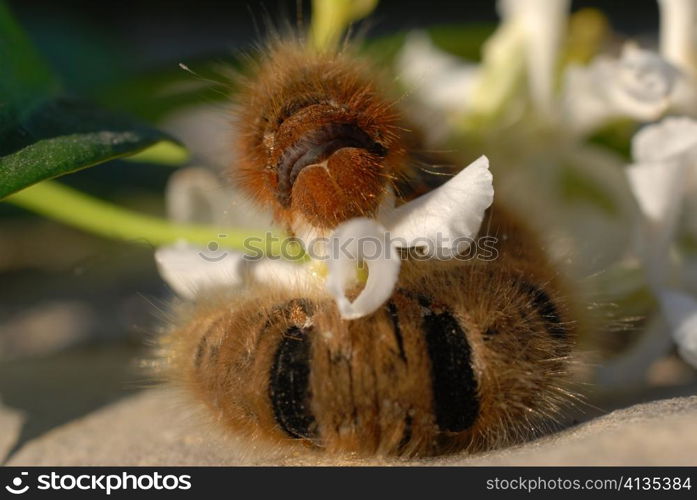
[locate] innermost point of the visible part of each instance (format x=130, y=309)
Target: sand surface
x=152, y=428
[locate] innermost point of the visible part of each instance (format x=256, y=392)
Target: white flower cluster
x=640, y=84
x=663, y=175
x=453, y=212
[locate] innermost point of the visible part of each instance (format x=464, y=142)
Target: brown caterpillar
x=464, y=355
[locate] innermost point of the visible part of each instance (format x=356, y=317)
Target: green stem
x=79, y=210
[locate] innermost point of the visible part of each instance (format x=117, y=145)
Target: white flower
x=638, y=85
x=664, y=171
x=678, y=34
x=441, y=84
x=383, y=267
x=445, y=216
x=678, y=44
x=188, y=270
x=525, y=45
x=665, y=156
x=191, y=270
x=195, y=195
x=680, y=310
x=541, y=24
x=438, y=222
x=440, y=80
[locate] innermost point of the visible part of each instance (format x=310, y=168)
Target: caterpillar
x=464, y=355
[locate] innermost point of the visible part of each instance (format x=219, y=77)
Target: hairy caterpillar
x=464, y=355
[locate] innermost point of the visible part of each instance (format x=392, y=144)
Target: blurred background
x=77, y=311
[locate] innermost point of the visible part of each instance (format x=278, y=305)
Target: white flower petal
x=672, y=138
x=641, y=85
x=680, y=311
x=638, y=85
x=361, y=240
x=666, y=153
x=442, y=220
x=598, y=223
x=583, y=106
x=441, y=86
x=194, y=195
x=543, y=23
x=678, y=33
x=289, y=275
x=684, y=97
x=657, y=187
x=189, y=269
x=501, y=73
x=440, y=80
x=206, y=130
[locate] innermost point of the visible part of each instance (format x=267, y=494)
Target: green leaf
x=24, y=77
x=24, y=74
x=43, y=136
x=62, y=136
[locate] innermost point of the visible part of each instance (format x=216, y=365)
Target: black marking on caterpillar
x=289, y=384
x=396, y=328
x=455, y=400
x=546, y=308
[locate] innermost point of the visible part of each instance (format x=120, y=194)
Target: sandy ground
x=153, y=428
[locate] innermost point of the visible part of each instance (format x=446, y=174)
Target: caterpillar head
x=318, y=141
